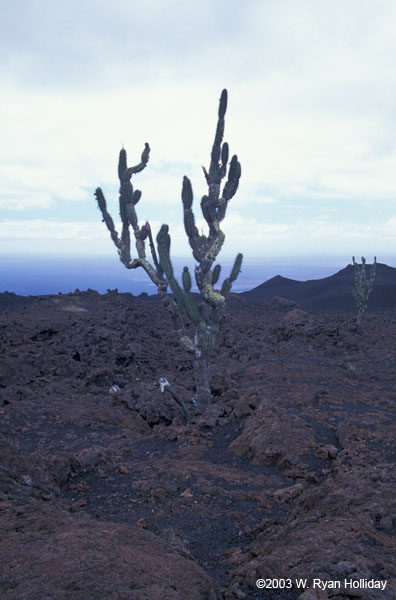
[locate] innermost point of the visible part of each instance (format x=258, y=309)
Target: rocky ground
x=289, y=475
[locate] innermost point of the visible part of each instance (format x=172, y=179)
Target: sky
x=311, y=115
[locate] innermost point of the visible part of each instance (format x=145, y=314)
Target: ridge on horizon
x=327, y=294
x=54, y=274
x=332, y=293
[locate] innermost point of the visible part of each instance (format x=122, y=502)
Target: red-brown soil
x=290, y=473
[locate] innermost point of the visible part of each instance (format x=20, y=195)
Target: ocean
x=36, y=275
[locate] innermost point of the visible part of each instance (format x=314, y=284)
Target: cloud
x=41, y=229
x=97, y=43
x=14, y=200
x=252, y=237
x=64, y=147
x=311, y=114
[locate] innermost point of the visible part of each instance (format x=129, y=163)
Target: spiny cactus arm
x=217, y=171
x=147, y=228
x=107, y=217
x=216, y=274
x=128, y=172
x=180, y=298
x=213, y=205
x=163, y=244
x=125, y=175
x=232, y=183
x=126, y=195
x=197, y=242
x=128, y=200
x=236, y=269
x=206, y=249
x=372, y=273
x=183, y=298
x=218, y=167
x=186, y=278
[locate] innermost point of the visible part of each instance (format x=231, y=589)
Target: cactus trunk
x=203, y=395
x=359, y=317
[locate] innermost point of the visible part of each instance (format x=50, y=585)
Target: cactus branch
x=152, y=248
x=128, y=198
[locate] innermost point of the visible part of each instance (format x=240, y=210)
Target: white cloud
x=41, y=229
x=73, y=146
x=12, y=199
x=311, y=114
x=252, y=237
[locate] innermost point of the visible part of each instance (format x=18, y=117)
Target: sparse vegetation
x=205, y=313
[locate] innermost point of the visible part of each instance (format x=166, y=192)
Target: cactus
x=216, y=274
x=205, y=312
x=363, y=287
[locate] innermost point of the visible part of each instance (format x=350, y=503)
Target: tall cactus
x=205, y=312
x=363, y=287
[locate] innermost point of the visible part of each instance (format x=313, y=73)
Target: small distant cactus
x=363, y=287
x=205, y=312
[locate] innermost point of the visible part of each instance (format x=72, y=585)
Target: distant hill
x=331, y=294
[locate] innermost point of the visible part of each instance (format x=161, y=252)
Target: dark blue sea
x=35, y=275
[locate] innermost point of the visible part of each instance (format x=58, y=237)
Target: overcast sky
x=311, y=116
